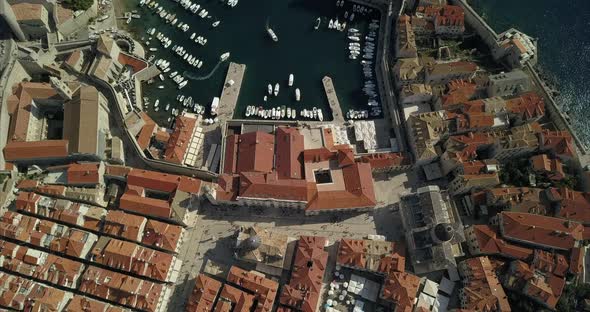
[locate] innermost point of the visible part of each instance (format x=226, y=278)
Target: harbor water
x=306, y=53
x=563, y=30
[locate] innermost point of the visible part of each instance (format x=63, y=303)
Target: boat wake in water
x=192, y=76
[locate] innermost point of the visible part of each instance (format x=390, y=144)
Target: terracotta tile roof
x=241, y=301
x=577, y=260
x=52, y=190
x=203, y=295
x=122, y=289
x=529, y=105
x=133, y=258
x=145, y=205
x=255, y=152
x=401, y=288
x=40, y=265
x=543, y=288
x=147, y=131
x=549, y=262
x=180, y=139
x=558, y=142
x=19, y=151
x=162, y=235
x=135, y=63
x=84, y=173
x=309, y=266
x=369, y=255
x=28, y=11
x=518, y=199
x=230, y=164
x=264, y=290
x=392, y=160
x=74, y=57
x=289, y=148
x=571, y=205
x=488, y=243
x=125, y=225
x=84, y=304
x=27, y=184
x=481, y=289
x=163, y=182
x=540, y=230
x=228, y=187
x=359, y=191
x=269, y=186
x=552, y=167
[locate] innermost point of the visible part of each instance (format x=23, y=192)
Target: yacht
x=297, y=95
x=276, y=92
x=318, y=21
x=269, y=89
x=224, y=56
x=272, y=34
x=291, y=78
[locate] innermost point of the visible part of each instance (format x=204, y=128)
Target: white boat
x=320, y=115
x=157, y=103
x=289, y=113
x=331, y=24
x=318, y=21
x=276, y=92
x=160, y=87
x=161, y=77
x=153, y=49
x=269, y=89
x=297, y=95
x=216, y=23
x=214, y=106
x=224, y=56
x=272, y=34
x=265, y=98
x=291, y=78
x=193, y=36
x=167, y=107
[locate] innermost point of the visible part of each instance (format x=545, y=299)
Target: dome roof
x=444, y=232
x=252, y=242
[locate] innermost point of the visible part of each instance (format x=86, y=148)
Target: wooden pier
x=333, y=100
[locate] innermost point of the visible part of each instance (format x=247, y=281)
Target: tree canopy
x=78, y=4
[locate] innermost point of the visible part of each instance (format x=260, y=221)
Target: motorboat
x=272, y=34
x=331, y=24
x=291, y=78
x=269, y=89
x=216, y=23
x=297, y=94
x=276, y=91
x=224, y=56
x=318, y=21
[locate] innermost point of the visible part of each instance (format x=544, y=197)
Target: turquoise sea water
x=307, y=53
x=563, y=30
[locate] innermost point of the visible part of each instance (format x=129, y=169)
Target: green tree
x=78, y=4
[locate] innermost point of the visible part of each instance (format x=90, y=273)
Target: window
x=323, y=176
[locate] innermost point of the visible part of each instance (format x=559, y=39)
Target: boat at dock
x=224, y=56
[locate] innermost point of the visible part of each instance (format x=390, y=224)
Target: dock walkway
x=230, y=94
x=338, y=117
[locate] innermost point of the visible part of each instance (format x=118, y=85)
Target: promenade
x=338, y=118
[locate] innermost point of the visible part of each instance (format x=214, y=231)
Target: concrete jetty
x=333, y=100
x=230, y=93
